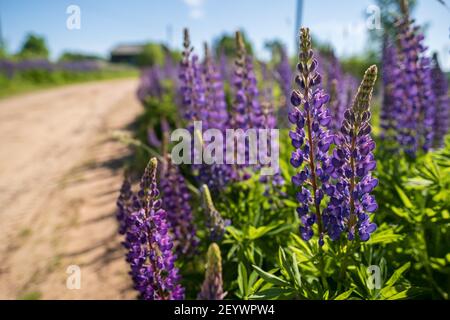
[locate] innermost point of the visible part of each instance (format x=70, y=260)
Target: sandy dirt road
x=60, y=172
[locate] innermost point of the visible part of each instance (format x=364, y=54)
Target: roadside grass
x=33, y=81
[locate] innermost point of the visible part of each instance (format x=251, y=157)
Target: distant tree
x=356, y=65
x=226, y=44
x=152, y=54
x=3, y=52
x=34, y=46
x=275, y=48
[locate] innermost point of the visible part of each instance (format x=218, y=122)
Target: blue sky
x=104, y=23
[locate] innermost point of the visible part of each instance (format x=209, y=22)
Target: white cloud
x=196, y=10
x=194, y=3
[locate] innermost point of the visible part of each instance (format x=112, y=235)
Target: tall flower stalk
x=285, y=77
x=247, y=111
x=353, y=162
x=176, y=198
x=214, y=222
x=311, y=139
x=216, y=108
x=212, y=287
x=191, y=83
x=149, y=244
x=410, y=101
x=442, y=112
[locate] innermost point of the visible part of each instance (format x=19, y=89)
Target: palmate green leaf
x=397, y=274
x=235, y=233
x=298, y=277
x=345, y=295
x=232, y=251
x=281, y=228
x=402, y=214
x=269, y=277
x=394, y=293
x=242, y=279
x=255, y=233
x=272, y=293
x=286, y=266
x=417, y=182
x=300, y=255
x=408, y=204
x=384, y=237
x=302, y=244
x=252, y=279
x=290, y=203
x=258, y=283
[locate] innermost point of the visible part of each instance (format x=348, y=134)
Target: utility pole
x=298, y=22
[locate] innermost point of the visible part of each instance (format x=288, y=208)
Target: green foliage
x=226, y=44
x=264, y=257
x=152, y=54
x=40, y=79
x=34, y=46
x=356, y=65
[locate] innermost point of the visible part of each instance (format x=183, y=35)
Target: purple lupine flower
x=150, y=246
x=413, y=105
x=176, y=198
x=427, y=104
x=442, y=112
x=152, y=137
x=150, y=85
x=311, y=139
x=273, y=183
x=215, y=113
x=214, y=222
x=285, y=77
x=124, y=204
x=191, y=83
x=352, y=163
x=170, y=68
x=247, y=112
x=212, y=287
x=216, y=176
x=390, y=78
x=7, y=68
x=337, y=85
x=226, y=68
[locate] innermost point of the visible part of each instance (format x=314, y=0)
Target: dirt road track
x=59, y=176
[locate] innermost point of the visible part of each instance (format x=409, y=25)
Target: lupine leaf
x=242, y=279
x=397, y=274
x=345, y=295
x=270, y=277
x=408, y=204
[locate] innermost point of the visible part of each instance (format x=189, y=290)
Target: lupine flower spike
x=191, y=83
x=212, y=287
x=311, y=139
x=214, y=221
x=150, y=246
x=124, y=204
x=440, y=89
x=176, y=198
x=247, y=112
x=353, y=162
